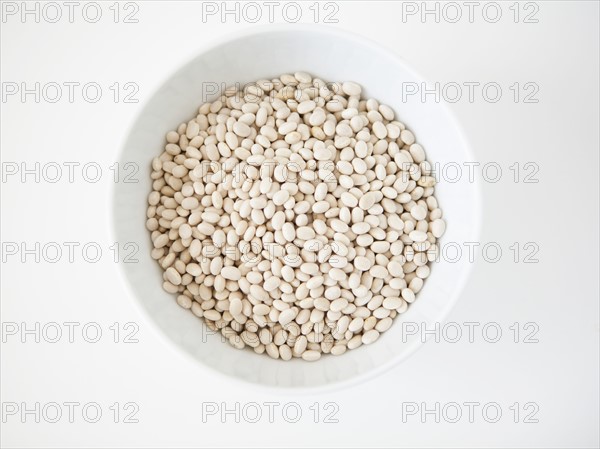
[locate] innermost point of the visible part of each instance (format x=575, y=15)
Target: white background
x=559, y=213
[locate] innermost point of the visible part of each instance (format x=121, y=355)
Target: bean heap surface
x=294, y=216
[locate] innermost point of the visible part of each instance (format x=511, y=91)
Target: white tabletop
x=545, y=121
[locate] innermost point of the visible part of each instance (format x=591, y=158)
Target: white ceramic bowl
x=333, y=56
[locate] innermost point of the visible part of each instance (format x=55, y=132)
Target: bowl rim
x=354, y=37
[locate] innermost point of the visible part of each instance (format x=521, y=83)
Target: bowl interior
x=332, y=56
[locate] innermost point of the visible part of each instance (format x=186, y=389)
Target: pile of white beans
x=294, y=217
